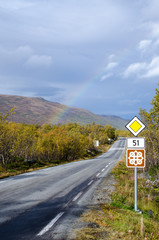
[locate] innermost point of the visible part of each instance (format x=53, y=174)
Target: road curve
x=42, y=204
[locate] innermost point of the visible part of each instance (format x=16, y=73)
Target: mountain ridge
x=37, y=110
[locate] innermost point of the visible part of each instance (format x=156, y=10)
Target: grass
x=124, y=194
x=21, y=167
x=117, y=219
x=117, y=223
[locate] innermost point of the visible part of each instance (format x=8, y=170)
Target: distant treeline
x=49, y=143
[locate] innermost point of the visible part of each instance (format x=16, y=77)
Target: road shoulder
x=100, y=196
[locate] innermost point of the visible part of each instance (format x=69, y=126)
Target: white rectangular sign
x=136, y=142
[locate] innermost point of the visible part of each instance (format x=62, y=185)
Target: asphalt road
x=43, y=204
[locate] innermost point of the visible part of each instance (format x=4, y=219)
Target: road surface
x=43, y=204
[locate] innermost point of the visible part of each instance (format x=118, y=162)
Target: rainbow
x=84, y=88
x=60, y=115
x=77, y=94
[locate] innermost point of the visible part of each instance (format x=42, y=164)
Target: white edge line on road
x=97, y=174
x=30, y=173
x=77, y=196
x=112, y=149
x=3, y=181
x=90, y=182
x=53, y=221
x=66, y=205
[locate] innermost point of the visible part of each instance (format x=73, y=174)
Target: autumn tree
x=6, y=137
x=151, y=120
x=24, y=143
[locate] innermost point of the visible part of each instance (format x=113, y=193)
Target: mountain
x=32, y=110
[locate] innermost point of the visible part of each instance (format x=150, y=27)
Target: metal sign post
x=135, y=151
x=135, y=195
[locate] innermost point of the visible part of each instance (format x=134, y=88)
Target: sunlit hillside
x=39, y=111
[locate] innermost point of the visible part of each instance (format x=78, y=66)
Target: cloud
x=14, y=60
x=143, y=70
x=36, y=61
x=154, y=63
x=107, y=70
x=24, y=50
x=63, y=22
x=111, y=57
x=151, y=9
x=144, y=44
x=152, y=73
x=104, y=77
x=14, y=55
x=111, y=65
x=153, y=69
x=154, y=28
x=156, y=42
x=18, y=4
x=134, y=68
x=78, y=40
x=29, y=87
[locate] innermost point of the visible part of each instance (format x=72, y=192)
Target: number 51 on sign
x=136, y=142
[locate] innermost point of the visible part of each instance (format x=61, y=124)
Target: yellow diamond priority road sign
x=135, y=126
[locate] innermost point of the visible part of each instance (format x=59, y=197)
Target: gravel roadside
x=101, y=195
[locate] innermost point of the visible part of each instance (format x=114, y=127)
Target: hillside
x=38, y=111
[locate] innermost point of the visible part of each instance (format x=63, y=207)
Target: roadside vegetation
x=151, y=134
x=117, y=219
x=25, y=147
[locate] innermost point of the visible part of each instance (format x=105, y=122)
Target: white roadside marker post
x=135, y=152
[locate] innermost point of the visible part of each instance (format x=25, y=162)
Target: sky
x=100, y=55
